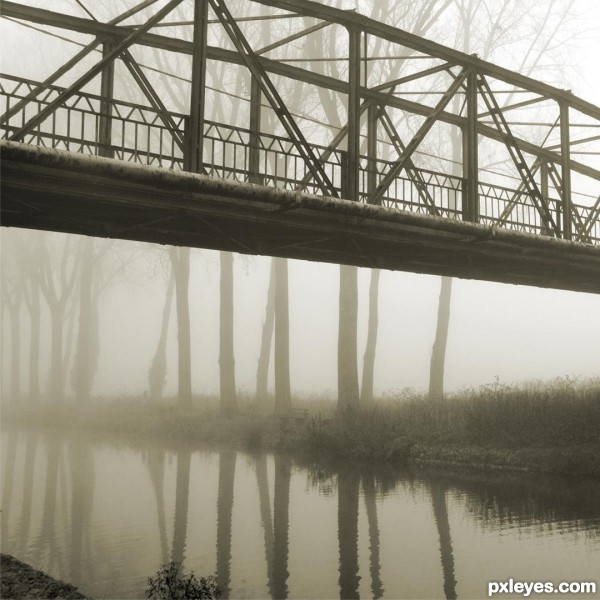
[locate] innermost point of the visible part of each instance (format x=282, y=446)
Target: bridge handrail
x=278, y=148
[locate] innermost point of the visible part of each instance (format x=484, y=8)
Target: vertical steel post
x=470, y=154
x=107, y=83
x=354, y=72
x=195, y=130
x=545, y=229
x=565, y=153
x=255, y=114
x=372, y=148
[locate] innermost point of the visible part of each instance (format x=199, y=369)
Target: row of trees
x=61, y=276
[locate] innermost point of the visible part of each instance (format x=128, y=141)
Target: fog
x=498, y=332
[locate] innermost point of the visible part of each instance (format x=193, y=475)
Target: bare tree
x=498, y=27
x=180, y=260
x=262, y=371
x=57, y=284
x=158, y=368
x=226, y=357
x=88, y=343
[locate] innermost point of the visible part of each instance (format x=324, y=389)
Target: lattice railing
x=142, y=135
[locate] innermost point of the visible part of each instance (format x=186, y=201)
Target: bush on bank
x=553, y=426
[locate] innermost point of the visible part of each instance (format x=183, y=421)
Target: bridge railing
x=144, y=135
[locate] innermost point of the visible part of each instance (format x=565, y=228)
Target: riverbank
x=552, y=428
x=19, y=580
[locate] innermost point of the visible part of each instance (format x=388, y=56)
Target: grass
x=551, y=426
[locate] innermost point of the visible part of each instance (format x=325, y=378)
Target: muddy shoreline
x=19, y=580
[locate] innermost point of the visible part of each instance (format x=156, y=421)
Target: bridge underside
x=62, y=191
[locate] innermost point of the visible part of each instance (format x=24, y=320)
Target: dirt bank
x=19, y=580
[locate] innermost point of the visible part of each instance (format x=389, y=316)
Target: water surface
x=105, y=516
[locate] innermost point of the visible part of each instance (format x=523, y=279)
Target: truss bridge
x=339, y=139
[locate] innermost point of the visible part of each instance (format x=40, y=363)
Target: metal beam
x=544, y=174
x=107, y=84
x=354, y=81
x=195, y=143
x=516, y=155
x=516, y=105
x=410, y=40
x=272, y=95
x=372, y=123
x=82, y=25
x=397, y=167
x=575, y=216
x=470, y=154
x=589, y=222
x=413, y=173
x=291, y=38
x=154, y=99
x=91, y=73
x=413, y=77
x=255, y=119
x=565, y=153
x=69, y=64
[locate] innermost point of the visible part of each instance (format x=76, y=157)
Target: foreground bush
x=170, y=584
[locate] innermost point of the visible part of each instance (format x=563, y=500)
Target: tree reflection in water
x=53, y=485
x=224, y=517
x=440, y=512
x=348, y=483
x=182, y=491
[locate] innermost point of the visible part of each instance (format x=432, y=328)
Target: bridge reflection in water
x=105, y=518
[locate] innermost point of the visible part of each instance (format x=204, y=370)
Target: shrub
x=170, y=584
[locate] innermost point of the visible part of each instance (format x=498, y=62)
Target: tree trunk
x=283, y=395
x=86, y=356
x=158, y=368
x=348, y=398
x=438, y=353
x=34, y=345
x=262, y=372
x=226, y=356
x=180, y=259
x=366, y=394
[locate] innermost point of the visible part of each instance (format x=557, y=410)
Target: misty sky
x=514, y=333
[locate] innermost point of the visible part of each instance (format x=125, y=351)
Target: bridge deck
x=63, y=191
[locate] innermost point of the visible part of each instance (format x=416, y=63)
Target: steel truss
x=541, y=201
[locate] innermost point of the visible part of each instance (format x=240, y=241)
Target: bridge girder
x=72, y=23
x=551, y=165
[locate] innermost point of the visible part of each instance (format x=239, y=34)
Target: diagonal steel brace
x=272, y=95
x=153, y=97
x=515, y=153
x=413, y=173
x=91, y=73
x=403, y=159
x=69, y=64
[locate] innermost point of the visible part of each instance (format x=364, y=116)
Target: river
x=105, y=516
